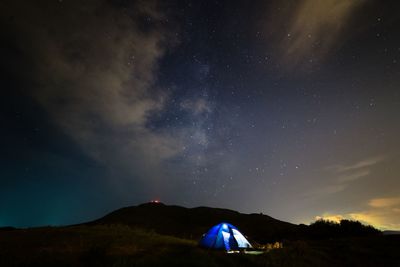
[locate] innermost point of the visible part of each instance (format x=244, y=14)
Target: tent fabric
x=224, y=236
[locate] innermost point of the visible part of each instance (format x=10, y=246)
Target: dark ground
x=127, y=243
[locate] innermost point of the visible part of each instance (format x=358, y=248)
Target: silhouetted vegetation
x=7, y=228
x=323, y=229
x=119, y=245
x=151, y=235
x=192, y=223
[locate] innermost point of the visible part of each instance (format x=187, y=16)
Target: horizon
x=286, y=108
x=158, y=202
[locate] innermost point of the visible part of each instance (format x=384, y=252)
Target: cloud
x=307, y=31
x=94, y=67
x=353, y=172
x=385, y=202
x=330, y=217
x=94, y=70
x=383, y=213
x=353, y=176
x=197, y=106
x=344, y=175
x=325, y=190
x=358, y=165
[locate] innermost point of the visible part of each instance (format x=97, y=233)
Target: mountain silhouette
x=192, y=223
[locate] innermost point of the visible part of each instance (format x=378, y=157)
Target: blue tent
x=224, y=236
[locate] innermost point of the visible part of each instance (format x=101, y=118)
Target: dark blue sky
x=289, y=108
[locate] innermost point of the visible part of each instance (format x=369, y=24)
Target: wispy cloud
x=307, y=31
x=325, y=190
x=385, y=202
x=344, y=175
x=352, y=176
x=383, y=212
x=358, y=165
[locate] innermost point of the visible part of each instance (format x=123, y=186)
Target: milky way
x=289, y=108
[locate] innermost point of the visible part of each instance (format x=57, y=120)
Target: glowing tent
x=224, y=236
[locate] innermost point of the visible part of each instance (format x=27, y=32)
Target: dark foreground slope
x=119, y=246
x=159, y=235
x=192, y=223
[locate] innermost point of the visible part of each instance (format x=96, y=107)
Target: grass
x=117, y=245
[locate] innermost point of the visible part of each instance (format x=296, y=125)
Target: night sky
x=289, y=108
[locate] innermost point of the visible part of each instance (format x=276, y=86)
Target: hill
x=122, y=246
x=191, y=223
x=160, y=235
